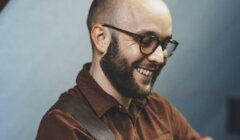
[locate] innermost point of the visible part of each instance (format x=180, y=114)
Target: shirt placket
x=133, y=117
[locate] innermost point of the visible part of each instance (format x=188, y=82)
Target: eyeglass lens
x=149, y=44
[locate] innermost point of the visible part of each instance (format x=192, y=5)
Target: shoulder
x=58, y=117
x=55, y=116
x=57, y=124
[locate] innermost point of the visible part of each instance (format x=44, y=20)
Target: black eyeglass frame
x=139, y=39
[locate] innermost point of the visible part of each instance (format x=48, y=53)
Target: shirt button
x=120, y=107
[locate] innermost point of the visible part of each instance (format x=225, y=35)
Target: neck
x=98, y=74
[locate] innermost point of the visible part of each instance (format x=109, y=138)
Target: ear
x=101, y=38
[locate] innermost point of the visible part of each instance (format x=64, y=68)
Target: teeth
x=147, y=73
x=144, y=72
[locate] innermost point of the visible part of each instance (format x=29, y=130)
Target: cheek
x=129, y=49
x=132, y=53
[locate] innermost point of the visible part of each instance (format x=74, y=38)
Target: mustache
x=150, y=65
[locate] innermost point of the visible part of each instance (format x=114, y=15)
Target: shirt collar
x=99, y=100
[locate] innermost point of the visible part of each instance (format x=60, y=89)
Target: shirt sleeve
x=59, y=125
x=182, y=130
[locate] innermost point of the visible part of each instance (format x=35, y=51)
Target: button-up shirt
x=151, y=118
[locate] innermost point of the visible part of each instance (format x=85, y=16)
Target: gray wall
x=43, y=45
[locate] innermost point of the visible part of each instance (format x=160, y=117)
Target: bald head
x=152, y=15
x=118, y=12
x=102, y=11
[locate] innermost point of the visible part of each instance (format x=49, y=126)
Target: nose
x=157, y=56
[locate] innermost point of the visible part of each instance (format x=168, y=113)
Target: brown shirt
x=152, y=118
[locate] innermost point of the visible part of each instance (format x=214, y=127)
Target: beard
x=120, y=73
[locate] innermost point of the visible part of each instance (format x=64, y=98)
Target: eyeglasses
x=149, y=43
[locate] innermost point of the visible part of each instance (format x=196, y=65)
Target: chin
x=148, y=88
x=142, y=91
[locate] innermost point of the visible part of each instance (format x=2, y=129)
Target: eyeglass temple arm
x=121, y=30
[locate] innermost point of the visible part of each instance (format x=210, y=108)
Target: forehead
x=147, y=15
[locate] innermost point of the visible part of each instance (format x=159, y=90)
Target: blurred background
x=43, y=45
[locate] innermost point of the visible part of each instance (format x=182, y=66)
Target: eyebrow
x=150, y=33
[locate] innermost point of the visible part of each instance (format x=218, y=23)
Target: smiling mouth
x=145, y=72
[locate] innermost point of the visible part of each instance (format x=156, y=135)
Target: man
x=131, y=41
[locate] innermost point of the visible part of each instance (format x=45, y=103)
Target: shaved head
x=118, y=12
x=131, y=15
x=102, y=11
